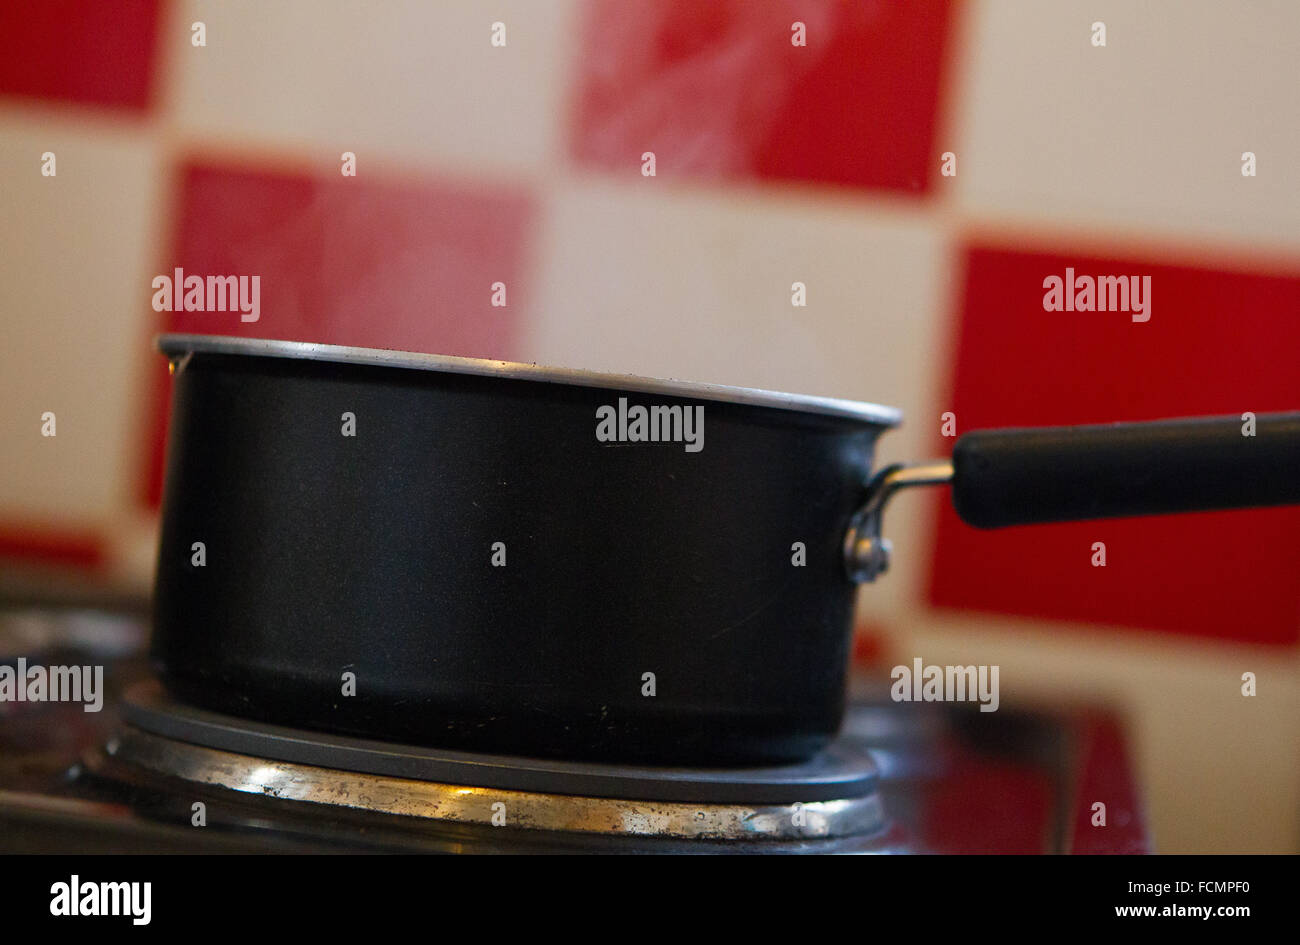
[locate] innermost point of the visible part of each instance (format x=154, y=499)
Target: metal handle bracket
x=866, y=552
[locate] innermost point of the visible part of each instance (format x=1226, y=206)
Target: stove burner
x=833, y=795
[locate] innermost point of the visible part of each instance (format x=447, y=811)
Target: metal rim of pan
x=176, y=346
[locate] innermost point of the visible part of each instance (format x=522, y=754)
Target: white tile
x=75, y=265
x=403, y=80
x=1145, y=134
x=696, y=285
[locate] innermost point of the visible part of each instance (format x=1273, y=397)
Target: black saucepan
x=503, y=558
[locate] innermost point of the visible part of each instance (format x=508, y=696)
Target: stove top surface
x=147, y=774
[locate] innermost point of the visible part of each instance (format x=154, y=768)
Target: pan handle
x=1059, y=474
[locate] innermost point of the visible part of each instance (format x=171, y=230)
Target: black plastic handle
x=1058, y=474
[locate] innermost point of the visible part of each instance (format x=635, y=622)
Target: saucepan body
x=483, y=557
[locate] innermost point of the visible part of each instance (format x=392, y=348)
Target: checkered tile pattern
x=775, y=163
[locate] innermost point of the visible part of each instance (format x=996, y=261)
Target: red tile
x=717, y=90
x=1217, y=343
x=352, y=261
x=58, y=546
x=85, y=51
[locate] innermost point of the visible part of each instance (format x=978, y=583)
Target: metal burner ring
x=494, y=806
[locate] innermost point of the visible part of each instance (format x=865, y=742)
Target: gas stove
x=150, y=774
